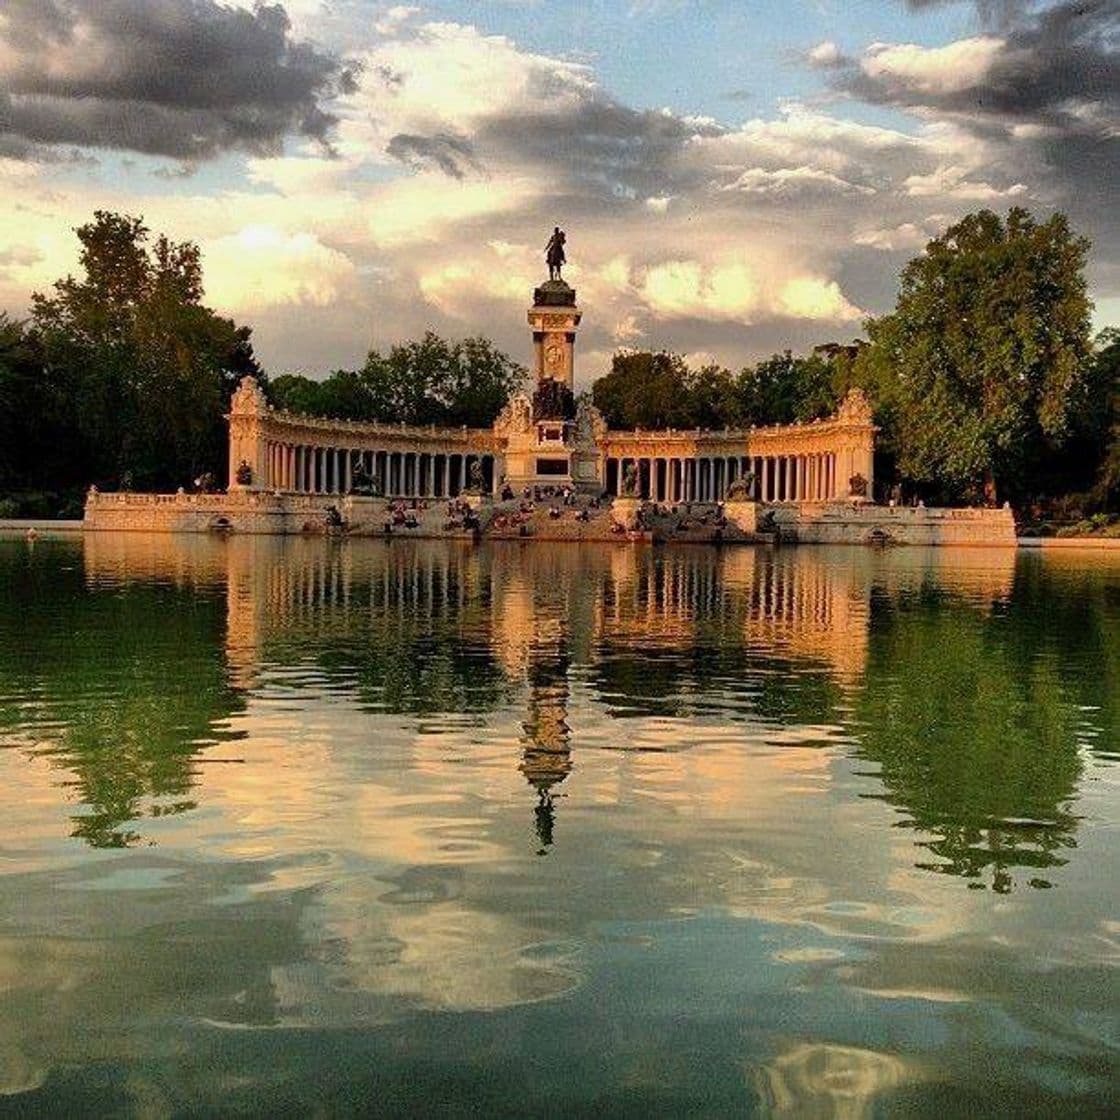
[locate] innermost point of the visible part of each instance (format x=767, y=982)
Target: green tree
x=712, y=398
x=988, y=348
x=139, y=370
x=645, y=390
x=432, y=381
x=785, y=389
x=1104, y=432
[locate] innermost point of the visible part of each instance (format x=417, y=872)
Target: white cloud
x=787, y=182
x=261, y=266
x=825, y=54
x=689, y=288
x=933, y=70
x=394, y=19
x=950, y=182
x=812, y=297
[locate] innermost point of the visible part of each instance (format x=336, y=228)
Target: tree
x=1105, y=418
x=141, y=372
x=989, y=350
x=432, y=381
x=784, y=390
x=645, y=390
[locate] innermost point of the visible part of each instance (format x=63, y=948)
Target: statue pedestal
x=624, y=512
x=743, y=515
x=475, y=501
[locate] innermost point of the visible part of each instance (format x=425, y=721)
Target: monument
x=288, y=470
x=550, y=437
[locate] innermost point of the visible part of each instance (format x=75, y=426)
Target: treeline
x=986, y=381
x=432, y=381
x=660, y=390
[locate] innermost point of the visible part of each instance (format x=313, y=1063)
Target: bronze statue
x=554, y=253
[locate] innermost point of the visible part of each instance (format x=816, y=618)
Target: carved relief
x=516, y=418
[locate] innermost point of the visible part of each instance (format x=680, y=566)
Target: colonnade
x=312, y=469
x=777, y=478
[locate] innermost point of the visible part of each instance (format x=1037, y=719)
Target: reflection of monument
x=546, y=758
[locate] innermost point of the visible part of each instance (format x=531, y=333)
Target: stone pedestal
x=554, y=318
x=743, y=515
x=475, y=501
x=624, y=512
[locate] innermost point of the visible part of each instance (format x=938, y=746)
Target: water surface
x=296, y=826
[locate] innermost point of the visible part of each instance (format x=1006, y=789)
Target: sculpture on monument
x=630, y=480
x=554, y=253
x=741, y=488
x=364, y=484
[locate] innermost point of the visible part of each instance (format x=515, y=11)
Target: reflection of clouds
x=828, y=1082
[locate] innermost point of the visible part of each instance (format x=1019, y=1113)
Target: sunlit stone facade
x=796, y=463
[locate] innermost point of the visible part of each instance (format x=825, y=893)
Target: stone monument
x=549, y=434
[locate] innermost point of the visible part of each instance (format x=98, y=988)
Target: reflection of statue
x=554, y=253
x=740, y=489
x=630, y=480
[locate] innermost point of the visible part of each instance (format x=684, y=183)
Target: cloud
x=455, y=152
x=1034, y=102
x=952, y=182
x=182, y=78
x=936, y=71
x=825, y=56
x=453, y=155
x=261, y=266
x=791, y=182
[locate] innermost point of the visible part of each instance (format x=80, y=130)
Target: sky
x=734, y=178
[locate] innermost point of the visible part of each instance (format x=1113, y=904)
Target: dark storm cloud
x=1048, y=101
x=452, y=155
x=184, y=78
x=1053, y=63
x=598, y=144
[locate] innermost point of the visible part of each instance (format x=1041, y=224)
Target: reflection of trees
x=973, y=722
x=404, y=631
x=130, y=682
x=680, y=632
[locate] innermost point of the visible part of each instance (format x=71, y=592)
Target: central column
x=554, y=318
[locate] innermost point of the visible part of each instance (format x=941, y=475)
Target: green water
x=293, y=827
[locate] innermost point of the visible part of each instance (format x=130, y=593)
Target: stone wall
x=254, y=512
x=863, y=523
x=240, y=511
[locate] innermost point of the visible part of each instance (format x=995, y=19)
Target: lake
x=294, y=826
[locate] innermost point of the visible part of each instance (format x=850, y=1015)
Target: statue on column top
x=554, y=253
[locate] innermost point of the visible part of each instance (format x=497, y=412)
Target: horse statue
x=554, y=253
